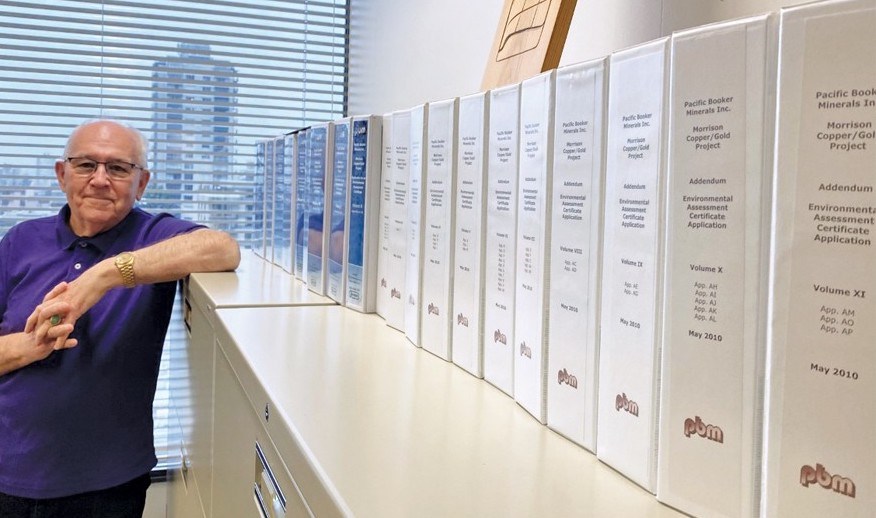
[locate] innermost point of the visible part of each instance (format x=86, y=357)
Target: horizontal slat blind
x=203, y=81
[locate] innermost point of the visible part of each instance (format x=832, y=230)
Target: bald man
x=85, y=301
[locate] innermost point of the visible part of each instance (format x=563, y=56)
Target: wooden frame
x=529, y=40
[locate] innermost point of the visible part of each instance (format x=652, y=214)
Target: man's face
x=98, y=201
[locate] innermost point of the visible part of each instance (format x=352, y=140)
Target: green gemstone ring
x=55, y=320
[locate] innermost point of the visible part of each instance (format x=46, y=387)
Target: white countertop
x=256, y=282
x=390, y=430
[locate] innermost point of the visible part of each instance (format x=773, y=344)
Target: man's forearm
x=11, y=353
x=202, y=250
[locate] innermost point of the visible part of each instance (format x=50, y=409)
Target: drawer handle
x=260, y=503
x=265, y=477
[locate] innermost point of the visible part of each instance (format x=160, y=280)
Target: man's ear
x=145, y=175
x=60, y=174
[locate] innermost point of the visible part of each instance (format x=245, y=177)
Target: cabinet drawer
x=275, y=494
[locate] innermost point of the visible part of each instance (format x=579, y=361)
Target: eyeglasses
x=115, y=169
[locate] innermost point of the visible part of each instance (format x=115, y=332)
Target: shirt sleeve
x=165, y=226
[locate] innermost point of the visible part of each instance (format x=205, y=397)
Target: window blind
x=202, y=80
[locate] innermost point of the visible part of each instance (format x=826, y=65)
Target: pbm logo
x=461, y=320
x=432, y=309
x=395, y=294
x=622, y=402
x=361, y=129
x=839, y=484
x=563, y=376
x=383, y=282
x=499, y=337
x=698, y=427
x=525, y=350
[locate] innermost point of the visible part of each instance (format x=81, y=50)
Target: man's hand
x=49, y=326
x=76, y=297
x=41, y=335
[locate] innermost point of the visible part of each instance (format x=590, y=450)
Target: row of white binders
x=665, y=255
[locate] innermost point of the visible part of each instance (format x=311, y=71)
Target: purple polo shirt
x=81, y=419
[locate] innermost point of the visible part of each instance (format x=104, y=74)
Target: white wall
x=405, y=52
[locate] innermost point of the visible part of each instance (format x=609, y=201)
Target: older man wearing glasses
x=85, y=301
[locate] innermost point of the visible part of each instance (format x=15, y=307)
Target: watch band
x=125, y=264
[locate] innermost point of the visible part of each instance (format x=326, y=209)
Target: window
x=203, y=81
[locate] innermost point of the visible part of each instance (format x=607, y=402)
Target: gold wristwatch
x=125, y=264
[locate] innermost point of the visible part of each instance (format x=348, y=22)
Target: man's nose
x=100, y=175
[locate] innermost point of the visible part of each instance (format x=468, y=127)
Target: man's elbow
x=221, y=251
x=229, y=252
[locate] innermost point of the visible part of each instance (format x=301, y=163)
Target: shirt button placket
x=80, y=260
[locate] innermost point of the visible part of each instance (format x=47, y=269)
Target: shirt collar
x=67, y=239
